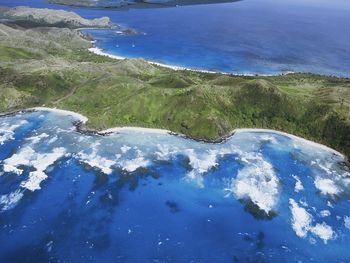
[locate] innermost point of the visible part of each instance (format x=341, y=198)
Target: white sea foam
x=8, y=130
x=323, y=231
x=200, y=163
x=78, y=116
x=10, y=200
x=325, y=213
x=297, y=141
x=34, y=180
x=258, y=182
x=326, y=186
x=301, y=219
x=347, y=222
x=52, y=140
x=39, y=161
x=134, y=129
x=23, y=157
x=303, y=203
x=132, y=165
x=96, y=161
x=204, y=162
x=125, y=148
x=125, y=161
x=329, y=204
x=99, y=51
x=36, y=139
x=298, y=185
x=302, y=223
x=163, y=152
x=268, y=138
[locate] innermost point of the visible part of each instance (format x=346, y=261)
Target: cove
x=265, y=37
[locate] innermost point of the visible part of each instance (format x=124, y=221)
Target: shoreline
x=291, y=136
x=81, y=120
x=99, y=51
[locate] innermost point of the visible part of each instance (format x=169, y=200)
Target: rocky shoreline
x=80, y=125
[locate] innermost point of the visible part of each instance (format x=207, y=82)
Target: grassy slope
x=52, y=67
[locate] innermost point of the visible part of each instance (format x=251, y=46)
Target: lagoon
x=145, y=196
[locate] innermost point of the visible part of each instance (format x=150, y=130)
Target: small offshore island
x=238, y=185
x=51, y=66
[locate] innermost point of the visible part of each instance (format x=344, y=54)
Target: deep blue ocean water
x=245, y=37
x=149, y=197
x=137, y=196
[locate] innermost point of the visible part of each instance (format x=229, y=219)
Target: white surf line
x=78, y=116
x=84, y=119
x=135, y=129
x=100, y=52
x=291, y=136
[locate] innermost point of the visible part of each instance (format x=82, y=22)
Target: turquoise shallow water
x=148, y=197
x=245, y=37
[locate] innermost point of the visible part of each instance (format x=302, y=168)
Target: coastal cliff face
x=49, y=17
x=134, y=3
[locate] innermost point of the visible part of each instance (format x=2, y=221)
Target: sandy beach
x=84, y=119
x=135, y=129
x=291, y=136
x=99, y=51
x=78, y=116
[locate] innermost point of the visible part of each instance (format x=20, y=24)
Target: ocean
x=148, y=196
x=246, y=37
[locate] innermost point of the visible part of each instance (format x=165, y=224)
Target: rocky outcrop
x=50, y=17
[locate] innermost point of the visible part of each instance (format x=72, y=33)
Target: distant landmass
x=135, y=3
x=53, y=67
x=50, y=17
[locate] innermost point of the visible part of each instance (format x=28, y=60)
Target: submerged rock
x=258, y=213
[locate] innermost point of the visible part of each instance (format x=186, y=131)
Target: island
x=52, y=66
x=135, y=3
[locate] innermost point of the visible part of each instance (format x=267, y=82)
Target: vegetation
x=52, y=67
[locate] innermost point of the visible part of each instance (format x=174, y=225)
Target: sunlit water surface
x=245, y=37
x=150, y=197
x=139, y=196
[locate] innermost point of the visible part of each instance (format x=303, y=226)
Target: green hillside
x=52, y=67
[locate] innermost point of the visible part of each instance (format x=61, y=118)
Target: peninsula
x=49, y=17
x=52, y=66
x=135, y=3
